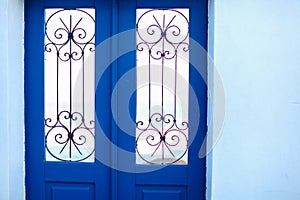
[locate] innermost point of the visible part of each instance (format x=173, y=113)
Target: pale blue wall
x=4, y=165
x=11, y=100
x=256, y=47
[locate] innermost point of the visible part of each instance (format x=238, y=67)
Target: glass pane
x=162, y=86
x=69, y=84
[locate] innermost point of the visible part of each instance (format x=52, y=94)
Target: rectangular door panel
x=62, y=191
x=161, y=193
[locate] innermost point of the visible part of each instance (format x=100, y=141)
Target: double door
x=116, y=99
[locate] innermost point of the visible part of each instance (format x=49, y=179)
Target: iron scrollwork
x=69, y=136
x=160, y=35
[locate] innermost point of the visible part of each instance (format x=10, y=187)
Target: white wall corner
x=210, y=50
x=12, y=164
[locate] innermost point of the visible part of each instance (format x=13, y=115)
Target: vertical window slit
x=162, y=54
x=69, y=84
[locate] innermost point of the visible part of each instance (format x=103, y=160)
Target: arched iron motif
x=162, y=39
x=69, y=41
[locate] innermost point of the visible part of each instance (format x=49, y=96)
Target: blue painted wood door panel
x=173, y=181
x=97, y=181
x=60, y=180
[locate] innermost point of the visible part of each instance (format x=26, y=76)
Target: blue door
x=116, y=99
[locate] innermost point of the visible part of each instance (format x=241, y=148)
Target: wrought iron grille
x=163, y=35
x=69, y=39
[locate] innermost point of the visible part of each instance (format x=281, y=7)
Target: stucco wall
x=11, y=100
x=256, y=49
